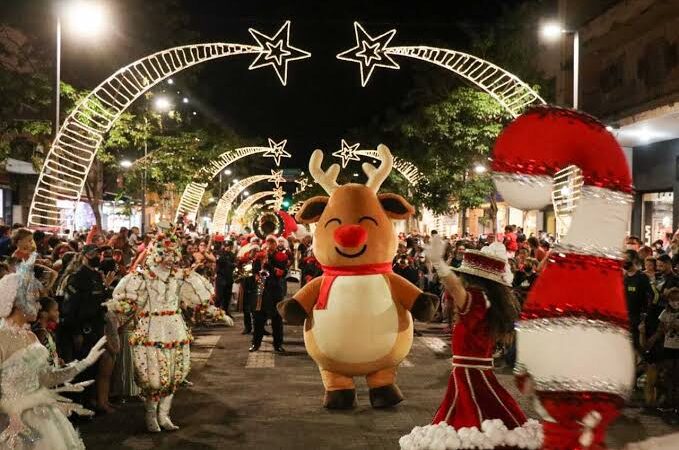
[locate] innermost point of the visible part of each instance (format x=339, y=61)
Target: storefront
x=656, y=179
x=656, y=216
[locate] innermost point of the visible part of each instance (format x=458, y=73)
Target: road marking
x=202, y=347
x=437, y=345
x=261, y=359
x=406, y=363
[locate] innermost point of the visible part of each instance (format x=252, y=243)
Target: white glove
x=436, y=250
x=437, y=247
x=93, y=355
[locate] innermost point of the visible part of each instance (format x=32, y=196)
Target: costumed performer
x=160, y=341
x=32, y=415
x=476, y=412
x=358, y=315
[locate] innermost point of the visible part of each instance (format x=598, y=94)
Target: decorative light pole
x=87, y=18
x=554, y=30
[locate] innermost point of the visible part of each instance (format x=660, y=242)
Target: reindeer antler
x=377, y=176
x=326, y=179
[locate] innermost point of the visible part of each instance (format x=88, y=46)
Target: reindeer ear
x=396, y=206
x=312, y=209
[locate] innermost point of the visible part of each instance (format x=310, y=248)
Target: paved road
x=266, y=401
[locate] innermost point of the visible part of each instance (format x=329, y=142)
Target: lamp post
x=554, y=30
x=85, y=17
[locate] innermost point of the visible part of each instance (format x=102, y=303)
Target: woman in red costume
x=476, y=412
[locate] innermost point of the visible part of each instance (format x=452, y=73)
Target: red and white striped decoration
x=573, y=339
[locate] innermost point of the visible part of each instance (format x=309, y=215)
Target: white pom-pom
x=452, y=441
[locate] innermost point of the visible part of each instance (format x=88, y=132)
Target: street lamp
x=480, y=169
x=87, y=18
x=553, y=30
x=162, y=104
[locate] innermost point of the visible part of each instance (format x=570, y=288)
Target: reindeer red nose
x=350, y=235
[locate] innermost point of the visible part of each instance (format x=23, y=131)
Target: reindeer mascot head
x=357, y=315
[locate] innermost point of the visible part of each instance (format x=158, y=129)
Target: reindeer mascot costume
x=357, y=316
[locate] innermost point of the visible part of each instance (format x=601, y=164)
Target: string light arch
x=72, y=153
x=246, y=204
x=224, y=205
x=189, y=203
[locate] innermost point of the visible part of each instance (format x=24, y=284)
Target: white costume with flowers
x=160, y=341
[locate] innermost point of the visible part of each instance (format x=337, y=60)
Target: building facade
x=629, y=79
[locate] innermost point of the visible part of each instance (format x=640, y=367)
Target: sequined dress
x=474, y=394
x=160, y=340
x=32, y=416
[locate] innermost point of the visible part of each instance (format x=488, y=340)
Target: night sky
x=323, y=98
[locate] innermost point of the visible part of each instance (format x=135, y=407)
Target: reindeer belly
x=360, y=323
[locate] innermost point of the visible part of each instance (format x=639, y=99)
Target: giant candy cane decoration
x=573, y=339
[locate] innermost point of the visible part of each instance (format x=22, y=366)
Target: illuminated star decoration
x=276, y=51
x=276, y=177
x=277, y=151
x=347, y=153
x=303, y=183
x=369, y=52
x=278, y=193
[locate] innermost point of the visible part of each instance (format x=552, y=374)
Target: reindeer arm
x=421, y=305
x=296, y=309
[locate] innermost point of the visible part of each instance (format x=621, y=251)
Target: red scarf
x=330, y=273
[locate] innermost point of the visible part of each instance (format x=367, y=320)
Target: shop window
x=656, y=215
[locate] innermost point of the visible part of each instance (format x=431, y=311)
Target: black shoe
x=279, y=349
x=266, y=333
x=254, y=348
x=246, y=331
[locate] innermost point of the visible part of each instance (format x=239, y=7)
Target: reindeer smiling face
x=354, y=223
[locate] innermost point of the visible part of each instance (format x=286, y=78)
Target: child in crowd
x=48, y=318
x=669, y=331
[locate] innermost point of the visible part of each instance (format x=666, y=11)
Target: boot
x=164, y=414
x=151, y=408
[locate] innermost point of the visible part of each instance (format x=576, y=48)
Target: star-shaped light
x=276, y=177
x=278, y=193
x=347, y=153
x=277, y=151
x=303, y=183
x=370, y=52
x=276, y=51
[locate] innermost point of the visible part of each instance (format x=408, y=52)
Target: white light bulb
x=162, y=104
x=551, y=30
x=185, y=100
x=87, y=18
x=170, y=81
x=480, y=168
x=126, y=163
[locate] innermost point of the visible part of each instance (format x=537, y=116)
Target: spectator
x=668, y=331
x=667, y=279
x=638, y=292
x=5, y=241
x=226, y=264
x=536, y=251
x=48, y=318
x=23, y=243
x=510, y=241
x=404, y=268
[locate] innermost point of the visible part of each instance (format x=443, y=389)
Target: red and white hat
x=484, y=265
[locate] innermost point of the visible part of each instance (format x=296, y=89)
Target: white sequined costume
x=160, y=341
x=32, y=415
